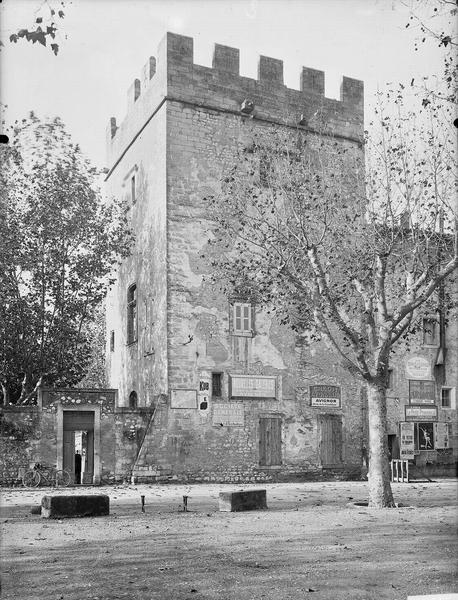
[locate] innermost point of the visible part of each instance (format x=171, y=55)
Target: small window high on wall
x=133, y=189
x=132, y=314
x=133, y=399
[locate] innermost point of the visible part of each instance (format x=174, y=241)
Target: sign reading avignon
x=325, y=395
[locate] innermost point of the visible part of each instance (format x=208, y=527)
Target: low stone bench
x=59, y=507
x=243, y=500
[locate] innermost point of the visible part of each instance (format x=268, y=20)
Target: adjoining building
x=210, y=388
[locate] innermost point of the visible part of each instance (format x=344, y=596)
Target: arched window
x=132, y=314
x=133, y=399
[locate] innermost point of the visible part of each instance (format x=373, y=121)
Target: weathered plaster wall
x=142, y=365
x=20, y=437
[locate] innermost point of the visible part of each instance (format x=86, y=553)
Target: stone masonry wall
x=29, y=434
x=19, y=438
x=204, y=124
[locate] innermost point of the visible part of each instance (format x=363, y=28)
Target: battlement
x=174, y=76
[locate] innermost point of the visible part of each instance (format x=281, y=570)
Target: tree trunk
x=379, y=476
x=24, y=389
x=6, y=398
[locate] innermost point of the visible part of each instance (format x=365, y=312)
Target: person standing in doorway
x=77, y=467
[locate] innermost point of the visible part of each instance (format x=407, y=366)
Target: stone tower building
x=230, y=401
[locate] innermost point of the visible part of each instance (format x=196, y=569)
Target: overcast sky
x=108, y=41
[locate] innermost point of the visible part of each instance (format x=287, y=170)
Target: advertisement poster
x=418, y=367
x=442, y=439
x=426, y=436
x=407, y=445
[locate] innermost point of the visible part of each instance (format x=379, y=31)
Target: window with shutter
x=242, y=319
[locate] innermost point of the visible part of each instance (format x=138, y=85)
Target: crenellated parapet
x=174, y=77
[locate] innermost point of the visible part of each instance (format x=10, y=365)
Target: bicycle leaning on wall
x=46, y=476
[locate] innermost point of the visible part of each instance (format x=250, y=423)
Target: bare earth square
x=313, y=539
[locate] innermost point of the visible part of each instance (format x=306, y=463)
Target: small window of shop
x=448, y=397
x=424, y=436
x=217, y=385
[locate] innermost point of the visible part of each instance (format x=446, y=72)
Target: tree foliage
x=435, y=21
x=344, y=252
x=309, y=235
x=59, y=244
x=45, y=27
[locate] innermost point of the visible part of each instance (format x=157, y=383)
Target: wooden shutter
x=270, y=441
x=69, y=452
x=238, y=317
x=246, y=324
x=330, y=440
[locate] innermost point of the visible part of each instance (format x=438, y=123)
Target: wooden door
x=89, y=463
x=270, y=441
x=330, y=440
x=69, y=453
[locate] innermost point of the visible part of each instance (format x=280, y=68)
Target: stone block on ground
x=61, y=507
x=242, y=500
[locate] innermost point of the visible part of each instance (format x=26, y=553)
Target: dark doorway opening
x=393, y=447
x=78, y=455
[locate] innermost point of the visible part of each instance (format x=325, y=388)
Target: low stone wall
x=19, y=437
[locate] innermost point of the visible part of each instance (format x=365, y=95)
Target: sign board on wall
x=421, y=413
x=418, y=367
x=325, y=395
x=422, y=392
x=252, y=386
x=407, y=445
x=183, y=399
x=441, y=435
x=230, y=414
x=204, y=392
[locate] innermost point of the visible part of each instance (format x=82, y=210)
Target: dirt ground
x=312, y=542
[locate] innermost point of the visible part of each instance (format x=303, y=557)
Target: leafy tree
x=343, y=255
x=45, y=27
x=95, y=330
x=59, y=244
